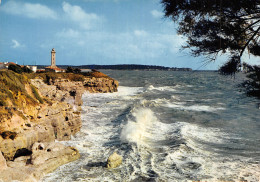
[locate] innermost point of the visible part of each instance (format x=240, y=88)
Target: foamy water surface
x=168, y=126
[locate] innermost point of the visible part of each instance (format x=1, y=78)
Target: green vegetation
x=48, y=77
x=13, y=89
x=220, y=27
x=10, y=85
x=51, y=76
x=96, y=74
x=72, y=70
x=36, y=94
x=18, y=69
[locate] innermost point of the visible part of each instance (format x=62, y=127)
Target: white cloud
x=139, y=45
x=78, y=15
x=68, y=33
x=16, y=44
x=29, y=10
x=157, y=14
x=140, y=33
x=130, y=46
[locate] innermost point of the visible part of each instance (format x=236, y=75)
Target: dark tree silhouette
x=252, y=85
x=73, y=70
x=77, y=70
x=69, y=69
x=18, y=69
x=213, y=27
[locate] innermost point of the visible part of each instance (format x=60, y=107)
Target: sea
x=167, y=126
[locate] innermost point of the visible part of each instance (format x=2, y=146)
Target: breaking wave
x=177, y=132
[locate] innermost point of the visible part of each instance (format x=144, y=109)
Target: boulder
x=114, y=160
x=42, y=152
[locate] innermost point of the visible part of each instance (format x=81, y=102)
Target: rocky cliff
x=48, y=110
x=54, y=119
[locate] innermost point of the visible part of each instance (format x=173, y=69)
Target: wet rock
x=114, y=160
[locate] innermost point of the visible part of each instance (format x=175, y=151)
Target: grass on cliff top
x=48, y=76
x=53, y=76
x=96, y=74
x=13, y=91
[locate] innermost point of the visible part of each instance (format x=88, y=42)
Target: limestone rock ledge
x=103, y=85
x=57, y=120
x=45, y=158
x=27, y=148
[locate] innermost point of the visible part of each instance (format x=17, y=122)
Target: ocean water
x=168, y=126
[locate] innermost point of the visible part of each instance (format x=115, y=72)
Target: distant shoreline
x=86, y=68
x=123, y=67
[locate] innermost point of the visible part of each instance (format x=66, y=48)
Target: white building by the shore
x=33, y=68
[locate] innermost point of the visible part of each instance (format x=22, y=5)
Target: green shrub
x=73, y=70
x=11, y=85
x=27, y=70
x=69, y=70
x=48, y=76
x=18, y=69
x=36, y=94
x=15, y=68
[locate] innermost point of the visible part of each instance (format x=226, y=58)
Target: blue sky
x=92, y=32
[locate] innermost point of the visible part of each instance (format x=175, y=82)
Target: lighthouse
x=53, y=67
x=53, y=59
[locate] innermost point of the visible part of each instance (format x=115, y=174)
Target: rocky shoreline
x=28, y=150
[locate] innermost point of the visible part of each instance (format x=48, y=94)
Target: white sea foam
x=194, y=160
x=128, y=91
x=137, y=131
x=197, y=137
x=207, y=167
x=128, y=122
x=145, y=128
x=174, y=97
x=182, y=106
x=163, y=88
x=122, y=92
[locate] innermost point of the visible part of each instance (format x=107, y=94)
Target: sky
x=93, y=32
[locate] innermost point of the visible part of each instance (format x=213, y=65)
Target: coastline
x=166, y=121
x=33, y=152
